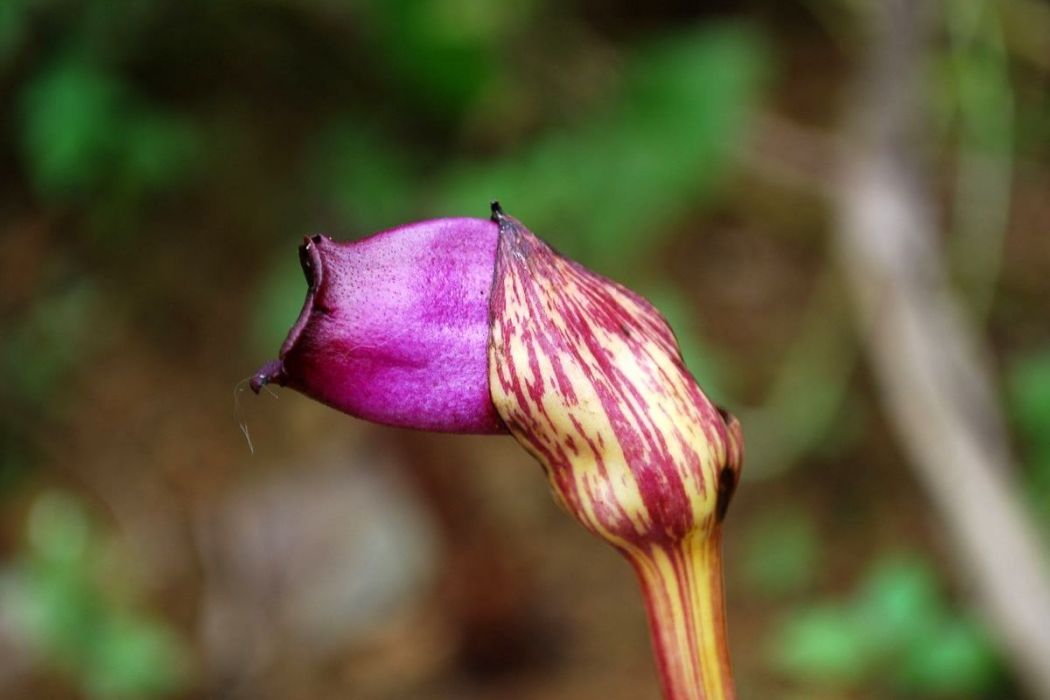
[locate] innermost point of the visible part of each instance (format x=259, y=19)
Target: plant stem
x=682, y=586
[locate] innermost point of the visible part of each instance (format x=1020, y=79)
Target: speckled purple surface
x=395, y=327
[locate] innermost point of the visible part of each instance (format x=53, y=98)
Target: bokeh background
x=841, y=206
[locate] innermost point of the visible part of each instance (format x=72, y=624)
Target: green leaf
x=442, y=52
x=820, y=643
x=158, y=151
x=14, y=17
x=781, y=553
x=1028, y=381
x=958, y=659
x=70, y=115
x=899, y=604
x=134, y=658
x=62, y=609
x=896, y=632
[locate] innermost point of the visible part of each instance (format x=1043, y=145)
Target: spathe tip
x=270, y=373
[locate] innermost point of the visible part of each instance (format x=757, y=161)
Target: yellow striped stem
x=682, y=586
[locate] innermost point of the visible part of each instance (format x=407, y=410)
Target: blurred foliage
x=40, y=352
x=445, y=52
x=808, y=410
x=14, y=16
x=61, y=600
x=209, y=137
x=86, y=136
x=364, y=174
x=896, y=632
x=49, y=343
x=607, y=189
x=978, y=89
x=1029, y=396
x=783, y=553
x=89, y=139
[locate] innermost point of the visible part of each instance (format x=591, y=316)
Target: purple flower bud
x=395, y=327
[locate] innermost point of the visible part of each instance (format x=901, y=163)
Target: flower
x=467, y=325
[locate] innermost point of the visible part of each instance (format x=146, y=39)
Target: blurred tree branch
x=927, y=357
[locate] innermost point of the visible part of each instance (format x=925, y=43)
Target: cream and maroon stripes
x=682, y=585
x=588, y=377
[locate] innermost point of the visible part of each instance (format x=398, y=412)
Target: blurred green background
x=160, y=161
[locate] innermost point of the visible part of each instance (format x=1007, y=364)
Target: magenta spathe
x=395, y=327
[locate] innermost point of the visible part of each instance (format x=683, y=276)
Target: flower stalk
x=682, y=587
x=479, y=326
